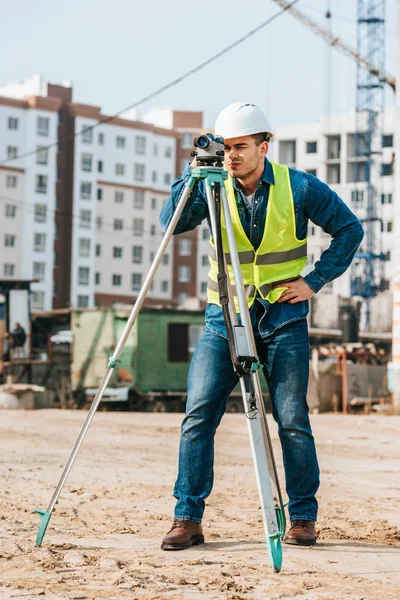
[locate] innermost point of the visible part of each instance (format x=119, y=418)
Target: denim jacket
x=313, y=200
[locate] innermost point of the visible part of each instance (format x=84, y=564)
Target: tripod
x=241, y=344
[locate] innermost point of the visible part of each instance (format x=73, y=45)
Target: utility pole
x=396, y=240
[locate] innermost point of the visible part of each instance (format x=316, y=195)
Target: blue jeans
x=285, y=359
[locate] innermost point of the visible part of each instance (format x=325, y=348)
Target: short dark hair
x=261, y=137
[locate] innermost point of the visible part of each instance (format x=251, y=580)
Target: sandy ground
x=104, y=539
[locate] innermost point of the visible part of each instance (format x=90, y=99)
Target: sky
x=115, y=53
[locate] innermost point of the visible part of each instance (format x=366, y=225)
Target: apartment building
x=81, y=214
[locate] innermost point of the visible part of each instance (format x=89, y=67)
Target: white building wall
x=25, y=139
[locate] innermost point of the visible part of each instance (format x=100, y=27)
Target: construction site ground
x=103, y=541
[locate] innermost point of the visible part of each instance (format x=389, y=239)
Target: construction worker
x=278, y=303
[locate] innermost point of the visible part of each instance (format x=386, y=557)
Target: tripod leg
x=262, y=451
x=113, y=362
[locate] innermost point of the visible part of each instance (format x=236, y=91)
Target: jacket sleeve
x=195, y=211
x=324, y=208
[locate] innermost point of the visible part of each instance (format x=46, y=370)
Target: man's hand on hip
x=297, y=291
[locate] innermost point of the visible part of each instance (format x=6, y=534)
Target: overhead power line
x=163, y=88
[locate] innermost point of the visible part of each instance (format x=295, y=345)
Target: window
x=39, y=269
x=118, y=224
x=42, y=155
x=333, y=147
x=167, y=178
x=386, y=169
x=311, y=147
x=54, y=287
x=154, y=203
x=357, y=145
x=184, y=274
x=56, y=230
x=356, y=171
x=154, y=176
x=386, y=198
x=98, y=250
x=43, y=124
x=118, y=197
x=140, y=144
x=139, y=172
x=83, y=301
x=357, y=197
x=312, y=230
x=138, y=227
x=99, y=223
x=187, y=140
x=83, y=275
x=387, y=141
x=37, y=300
x=99, y=194
x=55, y=258
x=185, y=247
x=167, y=151
x=182, y=297
x=195, y=333
x=87, y=134
x=85, y=218
x=203, y=287
x=152, y=255
x=138, y=199
x=117, y=279
x=204, y=260
x=58, y=201
x=137, y=254
x=287, y=152
x=205, y=234
x=39, y=242
x=9, y=270
x=136, y=282
x=164, y=286
x=11, y=211
x=386, y=226
x=333, y=173
x=178, y=342
x=153, y=230
x=12, y=151
x=119, y=169
x=12, y=123
x=11, y=181
x=40, y=213
x=117, y=252
x=100, y=139
x=97, y=278
x=165, y=259
x=86, y=162
x=155, y=150
x=86, y=190
x=99, y=166
x=312, y=172
x=84, y=247
x=120, y=141
x=41, y=184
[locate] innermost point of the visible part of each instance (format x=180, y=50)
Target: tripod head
x=210, y=150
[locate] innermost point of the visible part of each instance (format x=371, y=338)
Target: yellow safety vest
x=280, y=256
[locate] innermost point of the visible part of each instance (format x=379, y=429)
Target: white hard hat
x=240, y=119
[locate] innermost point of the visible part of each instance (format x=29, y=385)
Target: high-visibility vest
x=280, y=256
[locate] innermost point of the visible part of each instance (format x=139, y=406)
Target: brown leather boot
x=301, y=533
x=182, y=535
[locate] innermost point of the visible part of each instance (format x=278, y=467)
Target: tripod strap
x=223, y=284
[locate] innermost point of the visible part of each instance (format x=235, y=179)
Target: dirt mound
x=374, y=532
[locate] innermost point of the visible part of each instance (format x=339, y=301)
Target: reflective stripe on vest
x=280, y=257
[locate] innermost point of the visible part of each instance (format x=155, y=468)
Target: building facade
x=81, y=214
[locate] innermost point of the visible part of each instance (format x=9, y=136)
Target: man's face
x=243, y=156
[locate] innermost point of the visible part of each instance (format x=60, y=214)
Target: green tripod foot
x=275, y=552
x=44, y=521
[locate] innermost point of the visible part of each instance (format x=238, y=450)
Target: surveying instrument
x=210, y=154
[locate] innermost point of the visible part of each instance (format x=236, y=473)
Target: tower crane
x=336, y=42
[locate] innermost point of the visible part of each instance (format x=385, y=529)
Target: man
x=271, y=206
x=18, y=339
